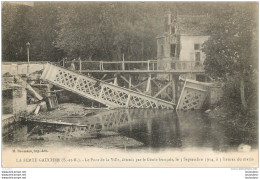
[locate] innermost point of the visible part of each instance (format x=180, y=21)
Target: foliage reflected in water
x=131, y=129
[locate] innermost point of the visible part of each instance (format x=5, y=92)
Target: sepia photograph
x=129, y=84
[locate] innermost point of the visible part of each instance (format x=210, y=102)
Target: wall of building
x=18, y=69
x=7, y=101
x=187, y=52
x=14, y=100
x=165, y=51
x=19, y=100
x=163, y=57
x=160, y=42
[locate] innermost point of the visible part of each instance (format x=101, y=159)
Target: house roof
x=192, y=25
x=162, y=35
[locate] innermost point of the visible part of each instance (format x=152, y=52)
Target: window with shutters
x=173, y=50
x=173, y=30
x=196, y=46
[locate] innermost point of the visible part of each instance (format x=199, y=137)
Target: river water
x=128, y=129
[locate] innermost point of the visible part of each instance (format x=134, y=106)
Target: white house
x=181, y=42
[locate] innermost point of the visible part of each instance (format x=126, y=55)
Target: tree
x=104, y=31
x=37, y=25
x=232, y=49
x=15, y=32
x=42, y=24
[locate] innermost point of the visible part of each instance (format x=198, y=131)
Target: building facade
x=179, y=47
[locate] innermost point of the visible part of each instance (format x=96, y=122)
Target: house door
x=197, y=56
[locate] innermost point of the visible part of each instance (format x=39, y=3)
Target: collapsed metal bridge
x=108, y=94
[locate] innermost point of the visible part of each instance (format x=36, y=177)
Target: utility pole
x=28, y=57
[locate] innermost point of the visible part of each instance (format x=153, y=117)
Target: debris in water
x=244, y=148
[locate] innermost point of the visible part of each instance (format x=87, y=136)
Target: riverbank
x=244, y=125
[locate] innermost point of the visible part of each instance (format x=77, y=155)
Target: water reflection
x=127, y=128
x=154, y=129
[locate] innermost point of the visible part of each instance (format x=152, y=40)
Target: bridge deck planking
x=177, y=72
x=180, y=67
